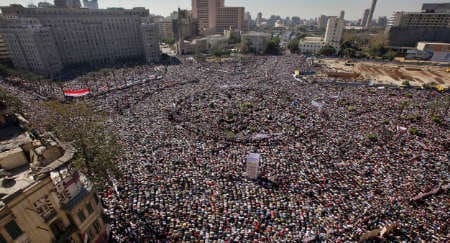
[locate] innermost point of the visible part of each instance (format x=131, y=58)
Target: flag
x=76, y=93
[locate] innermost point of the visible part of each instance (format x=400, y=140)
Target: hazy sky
x=303, y=8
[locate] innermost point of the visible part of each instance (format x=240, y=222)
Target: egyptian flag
x=76, y=93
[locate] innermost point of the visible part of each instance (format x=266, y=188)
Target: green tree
x=390, y=55
x=273, y=46
x=377, y=50
x=97, y=148
x=327, y=50
x=293, y=45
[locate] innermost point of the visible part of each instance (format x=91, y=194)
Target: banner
x=76, y=93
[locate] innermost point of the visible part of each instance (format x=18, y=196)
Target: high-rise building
x=214, y=17
x=67, y=4
x=45, y=40
x=90, y=4
x=43, y=197
x=342, y=16
x=371, y=12
x=259, y=19
x=382, y=21
x=365, y=17
x=406, y=29
x=323, y=20
x=333, y=34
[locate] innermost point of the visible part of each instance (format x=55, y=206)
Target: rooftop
x=26, y=158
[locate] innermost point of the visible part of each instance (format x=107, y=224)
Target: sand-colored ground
x=392, y=73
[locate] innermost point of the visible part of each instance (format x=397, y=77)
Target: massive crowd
x=338, y=159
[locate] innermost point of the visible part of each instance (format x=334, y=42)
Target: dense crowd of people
x=338, y=159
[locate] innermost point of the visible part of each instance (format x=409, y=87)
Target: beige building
x=42, y=197
x=213, y=17
x=255, y=41
x=311, y=44
x=45, y=40
x=166, y=29
x=334, y=32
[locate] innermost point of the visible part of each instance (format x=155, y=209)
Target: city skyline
x=302, y=8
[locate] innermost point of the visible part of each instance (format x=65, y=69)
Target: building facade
x=255, y=41
x=4, y=53
x=322, y=22
x=42, y=197
x=406, y=29
x=45, y=40
x=333, y=34
x=67, y=4
x=91, y=4
x=213, y=17
x=311, y=45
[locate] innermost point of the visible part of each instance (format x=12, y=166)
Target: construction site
x=386, y=73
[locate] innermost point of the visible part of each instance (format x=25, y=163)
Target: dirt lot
x=391, y=73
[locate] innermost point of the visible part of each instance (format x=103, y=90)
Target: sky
x=303, y=8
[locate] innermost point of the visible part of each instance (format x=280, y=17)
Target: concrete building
x=322, y=22
x=204, y=44
x=436, y=7
x=4, y=53
x=67, y=4
x=44, y=5
x=371, y=12
x=342, y=16
x=311, y=44
x=382, y=21
x=42, y=197
x=365, y=17
x=406, y=29
x=259, y=19
x=333, y=34
x=166, y=29
x=45, y=40
x=255, y=41
x=90, y=4
x=230, y=17
x=214, y=17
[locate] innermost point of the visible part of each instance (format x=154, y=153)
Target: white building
x=333, y=34
x=256, y=41
x=311, y=44
x=45, y=40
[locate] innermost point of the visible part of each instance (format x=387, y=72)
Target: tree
x=246, y=46
x=327, y=50
x=293, y=45
x=97, y=148
x=273, y=46
x=390, y=55
x=377, y=50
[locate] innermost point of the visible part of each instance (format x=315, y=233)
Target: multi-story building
x=259, y=19
x=42, y=197
x=342, y=16
x=333, y=34
x=45, y=40
x=91, y=4
x=322, y=22
x=255, y=41
x=4, y=54
x=311, y=44
x=166, y=29
x=436, y=7
x=214, y=17
x=230, y=17
x=406, y=29
x=67, y=4
x=365, y=17
x=371, y=12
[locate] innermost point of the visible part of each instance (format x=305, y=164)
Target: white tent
x=253, y=165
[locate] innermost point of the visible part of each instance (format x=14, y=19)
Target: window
x=13, y=229
x=97, y=226
x=81, y=215
x=89, y=208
